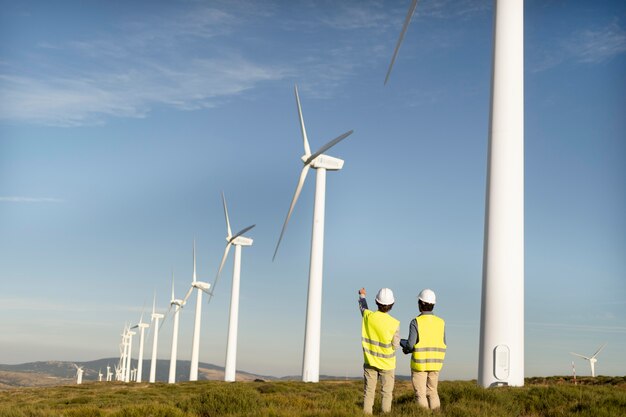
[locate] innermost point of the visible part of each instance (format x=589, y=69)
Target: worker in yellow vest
x=380, y=337
x=427, y=345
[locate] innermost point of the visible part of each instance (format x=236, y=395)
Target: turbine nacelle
x=329, y=163
x=204, y=286
x=177, y=302
x=157, y=316
x=240, y=240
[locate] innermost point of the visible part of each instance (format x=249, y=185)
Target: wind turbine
x=109, y=373
x=177, y=305
x=79, y=374
x=592, y=359
x=155, y=338
x=142, y=328
x=501, y=356
x=322, y=163
x=129, y=336
x=100, y=374
x=195, y=345
x=123, y=354
x=237, y=240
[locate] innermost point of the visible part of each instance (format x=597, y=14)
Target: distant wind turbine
x=322, y=163
x=79, y=374
x=129, y=336
x=155, y=339
x=100, y=375
x=237, y=240
x=195, y=345
x=177, y=305
x=123, y=354
x=592, y=359
x=142, y=328
x=501, y=353
x=109, y=373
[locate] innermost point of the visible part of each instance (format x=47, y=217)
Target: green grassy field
x=540, y=397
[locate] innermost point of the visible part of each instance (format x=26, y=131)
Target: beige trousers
x=387, y=379
x=425, y=386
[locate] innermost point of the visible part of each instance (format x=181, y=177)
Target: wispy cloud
x=446, y=9
x=358, y=15
x=594, y=46
x=16, y=199
x=146, y=64
x=588, y=46
x=90, y=97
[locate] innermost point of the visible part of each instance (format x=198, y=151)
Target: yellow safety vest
x=430, y=350
x=377, y=333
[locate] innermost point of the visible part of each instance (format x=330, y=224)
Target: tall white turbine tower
x=129, y=337
x=501, y=356
x=322, y=163
x=155, y=339
x=142, y=328
x=237, y=240
x=123, y=354
x=195, y=345
x=177, y=305
x=592, y=359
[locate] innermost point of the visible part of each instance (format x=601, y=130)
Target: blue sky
x=122, y=122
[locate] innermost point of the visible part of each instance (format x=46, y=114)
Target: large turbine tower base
x=501, y=357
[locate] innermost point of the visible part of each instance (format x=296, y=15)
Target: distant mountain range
x=60, y=373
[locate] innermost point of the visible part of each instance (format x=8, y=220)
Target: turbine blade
x=194, y=260
x=188, y=294
x=407, y=20
x=165, y=316
x=172, y=285
x=219, y=271
x=241, y=232
x=226, y=215
x=143, y=309
x=154, y=303
x=582, y=356
x=598, y=351
x=307, y=149
x=305, y=169
x=328, y=146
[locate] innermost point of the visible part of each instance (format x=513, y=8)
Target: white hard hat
x=385, y=297
x=427, y=296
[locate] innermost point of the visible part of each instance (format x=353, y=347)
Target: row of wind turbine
x=237, y=240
